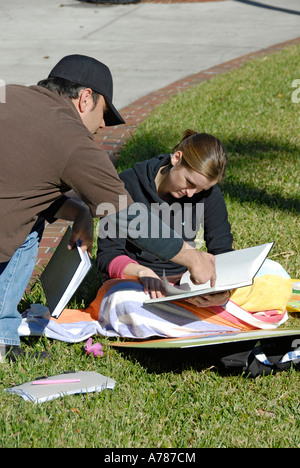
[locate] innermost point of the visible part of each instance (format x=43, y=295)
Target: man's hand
x=83, y=224
x=83, y=230
x=201, y=265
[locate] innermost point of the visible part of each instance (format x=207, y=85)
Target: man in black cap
x=47, y=148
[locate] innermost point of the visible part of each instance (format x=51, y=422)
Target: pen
x=62, y=381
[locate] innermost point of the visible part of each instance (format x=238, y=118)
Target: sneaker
x=13, y=353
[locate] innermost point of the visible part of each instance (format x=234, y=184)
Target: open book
x=234, y=270
x=63, y=274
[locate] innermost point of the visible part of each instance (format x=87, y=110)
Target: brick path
x=111, y=139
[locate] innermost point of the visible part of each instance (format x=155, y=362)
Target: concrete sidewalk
x=146, y=45
x=154, y=50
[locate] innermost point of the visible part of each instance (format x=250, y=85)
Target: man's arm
x=102, y=183
x=200, y=264
x=169, y=247
x=83, y=224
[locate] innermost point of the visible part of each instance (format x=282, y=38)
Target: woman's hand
x=210, y=300
x=152, y=284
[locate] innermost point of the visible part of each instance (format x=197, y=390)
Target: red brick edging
x=113, y=138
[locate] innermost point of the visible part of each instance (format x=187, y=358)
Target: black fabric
x=140, y=183
x=245, y=359
x=49, y=214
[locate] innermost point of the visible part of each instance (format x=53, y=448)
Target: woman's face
x=182, y=181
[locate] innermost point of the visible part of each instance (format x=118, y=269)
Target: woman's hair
x=203, y=153
x=65, y=88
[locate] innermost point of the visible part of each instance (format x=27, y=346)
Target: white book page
x=233, y=269
x=78, y=276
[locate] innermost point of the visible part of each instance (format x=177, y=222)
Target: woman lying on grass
x=184, y=186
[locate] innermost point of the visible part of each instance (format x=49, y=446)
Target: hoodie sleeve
x=109, y=249
x=217, y=229
x=142, y=229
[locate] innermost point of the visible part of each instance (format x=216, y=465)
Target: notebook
x=63, y=274
x=89, y=382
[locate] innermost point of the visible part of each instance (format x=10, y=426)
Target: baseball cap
x=90, y=73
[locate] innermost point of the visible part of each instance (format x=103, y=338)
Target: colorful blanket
x=119, y=311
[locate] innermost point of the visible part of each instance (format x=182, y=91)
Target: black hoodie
x=207, y=208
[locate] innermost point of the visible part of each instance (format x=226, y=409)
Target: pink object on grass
x=95, y=349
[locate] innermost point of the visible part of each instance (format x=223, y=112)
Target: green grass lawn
x=173, y=399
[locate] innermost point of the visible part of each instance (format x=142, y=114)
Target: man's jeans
x=14, y=277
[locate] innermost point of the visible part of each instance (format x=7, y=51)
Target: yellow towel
x=268, y=292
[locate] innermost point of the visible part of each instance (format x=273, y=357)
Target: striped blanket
x=119, y=311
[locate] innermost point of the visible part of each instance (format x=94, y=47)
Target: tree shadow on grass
x=269, y=7
x=245, y=193
x=265, y=153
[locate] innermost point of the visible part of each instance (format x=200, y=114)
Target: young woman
x=184, y=187
x=179, y=184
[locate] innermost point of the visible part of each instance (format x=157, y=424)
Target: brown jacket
x=45, y=150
